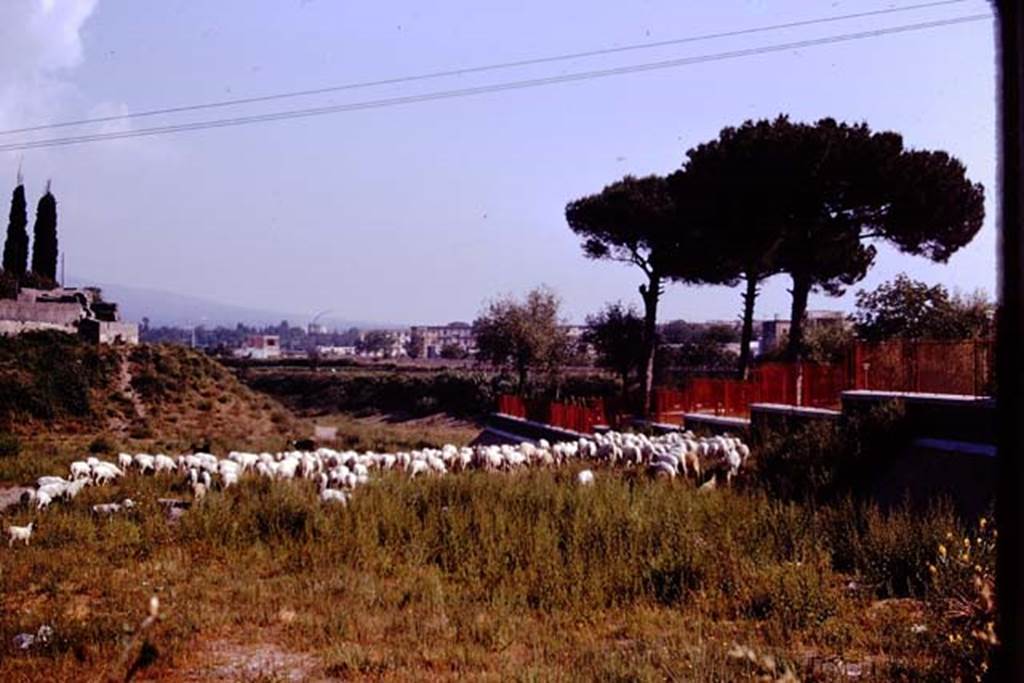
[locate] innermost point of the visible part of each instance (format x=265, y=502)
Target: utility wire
x=477, y=69
x=484, y=89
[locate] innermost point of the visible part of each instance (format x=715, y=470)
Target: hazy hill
x=180, y=310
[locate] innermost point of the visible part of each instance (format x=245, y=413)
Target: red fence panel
x=776, y=382
x=511, y=405
x=942, y=367
x=667, y=401
x=964, y=367
x=822, y=385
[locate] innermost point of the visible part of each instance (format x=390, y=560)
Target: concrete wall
x=702, y=423
x=941, y=416
x=943, y=447
x=769, y=417
x=14, y=327
x=65, y=314
x=123, y=333
x=530, y=431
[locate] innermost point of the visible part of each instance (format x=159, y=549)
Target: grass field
x=524, y=577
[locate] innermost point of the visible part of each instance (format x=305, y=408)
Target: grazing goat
x=19, y=533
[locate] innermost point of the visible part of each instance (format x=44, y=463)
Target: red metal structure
x=956, y=367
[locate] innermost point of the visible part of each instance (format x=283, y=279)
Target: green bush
x=796, y=595
x=890, y=551
x=10, y=445
x=961, y=601
x=800, y=463
x=101, y=444
x=47, y=375
x=411, y=392
x=826, y=461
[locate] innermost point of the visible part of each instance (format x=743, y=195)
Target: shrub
x=797, y=595
x=801, y=463
x=893, y=548
x=47, y=375
x=417, y=393
x=961, y=601
x=820, y=460
x=10, y=445
x=101, y=444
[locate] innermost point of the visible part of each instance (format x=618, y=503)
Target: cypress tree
x=44, y=244
x=16, y=246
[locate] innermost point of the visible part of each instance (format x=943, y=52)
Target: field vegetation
x=524, y=576
x=54, y=383
x=458, y=393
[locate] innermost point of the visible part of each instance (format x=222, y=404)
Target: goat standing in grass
x=19, y=533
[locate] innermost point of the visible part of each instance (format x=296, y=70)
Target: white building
x=260, y=347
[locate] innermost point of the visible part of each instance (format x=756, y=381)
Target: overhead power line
x=492, y=88
x=477, y=69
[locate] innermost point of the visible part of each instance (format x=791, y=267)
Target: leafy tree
x=616, y=334
x=16, y=245
x=415, y=348
x=635, y=221
x=523, y=335
x=910, y=309
x=858, y=185
x=452, y=351
x=681, y=332
x=827, y=343
x=375, y=341
x=692, y=346
x=804, y=199
x=701, y=353
x=729, y=188
x=44, y=236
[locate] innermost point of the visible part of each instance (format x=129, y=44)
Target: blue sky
x=420, y=213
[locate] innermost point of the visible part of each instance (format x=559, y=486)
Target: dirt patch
x=227, y=660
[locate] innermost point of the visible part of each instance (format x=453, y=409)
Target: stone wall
x=63, y=314
x=15, y=327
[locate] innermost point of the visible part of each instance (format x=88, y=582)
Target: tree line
x=528, y=335
x=16, y=270
x=774, y=197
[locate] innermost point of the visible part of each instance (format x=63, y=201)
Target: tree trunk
x=801, y=290
x=523, y=372
x=650, y=293
x=749, y=296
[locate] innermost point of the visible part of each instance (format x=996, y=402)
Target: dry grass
x=525, y=577
x=389, y=433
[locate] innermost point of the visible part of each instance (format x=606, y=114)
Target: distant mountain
x=168, y=308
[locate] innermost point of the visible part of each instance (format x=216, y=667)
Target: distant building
x=575, y=332
x=260, y=347
x=335, y=351
x=395, y=344
x=427, y=341
x=735, y=347
x=72, y=310
x=316, y=328
x=774, y=332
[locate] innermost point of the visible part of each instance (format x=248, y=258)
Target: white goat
x=19, y=533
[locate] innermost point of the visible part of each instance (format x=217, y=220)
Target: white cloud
x=40, y=42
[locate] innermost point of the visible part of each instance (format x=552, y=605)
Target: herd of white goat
x=339, y=473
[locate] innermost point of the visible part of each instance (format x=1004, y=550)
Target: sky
x=419, y=214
